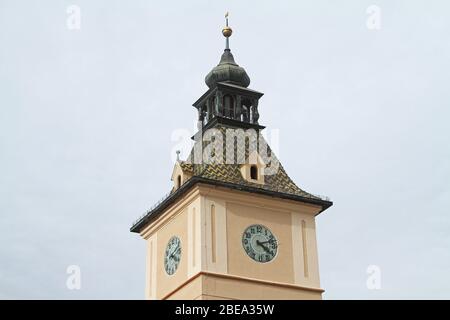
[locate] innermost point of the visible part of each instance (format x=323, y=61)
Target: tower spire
x=227, y=33
x=227, y=70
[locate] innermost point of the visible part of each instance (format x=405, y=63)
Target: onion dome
x=227, y=70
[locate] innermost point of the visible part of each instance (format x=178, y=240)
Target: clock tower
x=234, y=225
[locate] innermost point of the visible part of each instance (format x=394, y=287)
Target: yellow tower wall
x=209, y=222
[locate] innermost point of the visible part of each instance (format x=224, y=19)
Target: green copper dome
x=227, y=71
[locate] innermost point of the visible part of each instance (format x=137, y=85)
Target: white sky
x=86, y=119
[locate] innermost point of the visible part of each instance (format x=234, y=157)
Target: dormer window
x=182, y=172
x=254, y=172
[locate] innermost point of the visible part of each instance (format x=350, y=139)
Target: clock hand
x=266, y=249
x=263, y=246
x=268, y=241
x=174, y=250
x=172, y=254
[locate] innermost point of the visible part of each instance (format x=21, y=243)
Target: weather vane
x=227, y=32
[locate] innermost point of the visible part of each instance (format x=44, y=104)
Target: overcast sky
x=86, y=118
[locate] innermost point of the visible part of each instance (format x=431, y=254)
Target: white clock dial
x=259, y=243
x=172, y=255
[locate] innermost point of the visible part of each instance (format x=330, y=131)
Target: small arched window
x=254, y=172
x=178, y=181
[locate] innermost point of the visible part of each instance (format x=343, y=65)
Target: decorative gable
x=180, y=174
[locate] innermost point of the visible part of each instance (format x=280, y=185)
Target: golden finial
x=227, y=30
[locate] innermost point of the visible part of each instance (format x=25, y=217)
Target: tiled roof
x=231, y=173
x=229, y=176
x=186, y=167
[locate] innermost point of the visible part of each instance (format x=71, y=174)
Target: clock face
x=259, y=243
x=172, y=255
